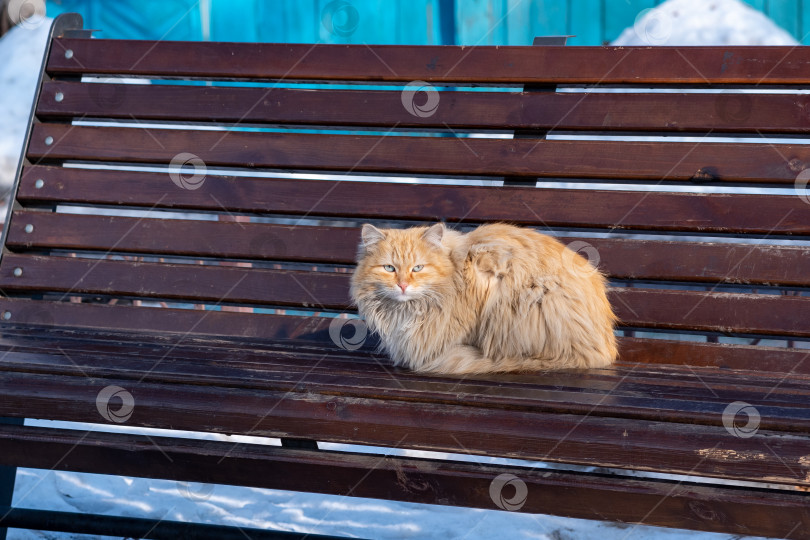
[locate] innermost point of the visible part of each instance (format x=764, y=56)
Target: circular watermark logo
x=106, y=95
x=800, y=185
x=110, y=414
x=653, y=26
x=194, y=491
x=574, y=254
x=26, y=13
x=179, y=173
x=427, y=106
x=733, y=106
x=731, y=419
x=348, y=334
x=496, y=489
x=340, y=18
x=268, y=246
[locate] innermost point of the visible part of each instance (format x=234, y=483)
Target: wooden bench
x=181, y=299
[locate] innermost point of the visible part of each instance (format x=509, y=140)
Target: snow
x=301, y=512
x=676, y=22
x=21, y=49
x=703, y=22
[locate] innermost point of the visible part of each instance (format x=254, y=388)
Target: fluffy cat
x=499, y=298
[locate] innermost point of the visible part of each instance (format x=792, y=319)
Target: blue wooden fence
x=465, y=22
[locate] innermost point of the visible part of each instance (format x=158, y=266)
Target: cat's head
x=402, y=264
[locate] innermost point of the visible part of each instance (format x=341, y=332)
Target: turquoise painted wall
x=466, y=22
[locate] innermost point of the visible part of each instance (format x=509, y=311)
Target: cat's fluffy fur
x=499, y=298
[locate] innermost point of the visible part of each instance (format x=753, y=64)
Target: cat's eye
x=389, y=268
x=418, y=267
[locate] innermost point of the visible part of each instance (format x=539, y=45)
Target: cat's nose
x=403, y=286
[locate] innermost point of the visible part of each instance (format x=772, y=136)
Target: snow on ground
x=704, y=22
x=676, y=22
x=300, y=512
x=21, y=51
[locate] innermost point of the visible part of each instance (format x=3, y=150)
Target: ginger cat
x=499, y=298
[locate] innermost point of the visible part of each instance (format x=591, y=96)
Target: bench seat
x=178, y=256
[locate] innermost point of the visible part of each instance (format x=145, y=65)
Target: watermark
x=653, y=26
x=800, y=185
x=194, y=491
x=268, y=246
x=110, y=414
x=28, y=14
x=496, y=489
x=106, y=95
x=731, y=419
x=427, y=106
x=733, y=106
x=348, y=334
x=340, y=18
x=179, y=173
x=582, y=258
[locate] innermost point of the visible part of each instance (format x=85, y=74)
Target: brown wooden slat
x=718, y=112
x=717, y=312
x=216, y=239
x=695, y=212
x=349, y=374
x=515, y=65
x=213, y=284
x=619, y=258
x=160, y=358
x=627, y=391
x=745, y=264
x=535, y=435
x=682, y=161
x=756, y=359
x=680, y=310
x=297, y=331
x=570, y=494
x=300, y=339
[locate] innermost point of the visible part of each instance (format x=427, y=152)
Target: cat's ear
x=434, y=234
x=370, y=235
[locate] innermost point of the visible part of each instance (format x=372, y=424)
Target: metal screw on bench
x=48, y=140
x=39, y=183
x=6, y=315
x=29, y=228
x=59, y=97
x=103, y=404
x=751, y=426
x=496, y=488
x=69, y=54
x=423, y=110
x=26, y=13
x=340, y=18
x=18, y=272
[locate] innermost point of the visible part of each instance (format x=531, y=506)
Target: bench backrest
x=224, y=198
